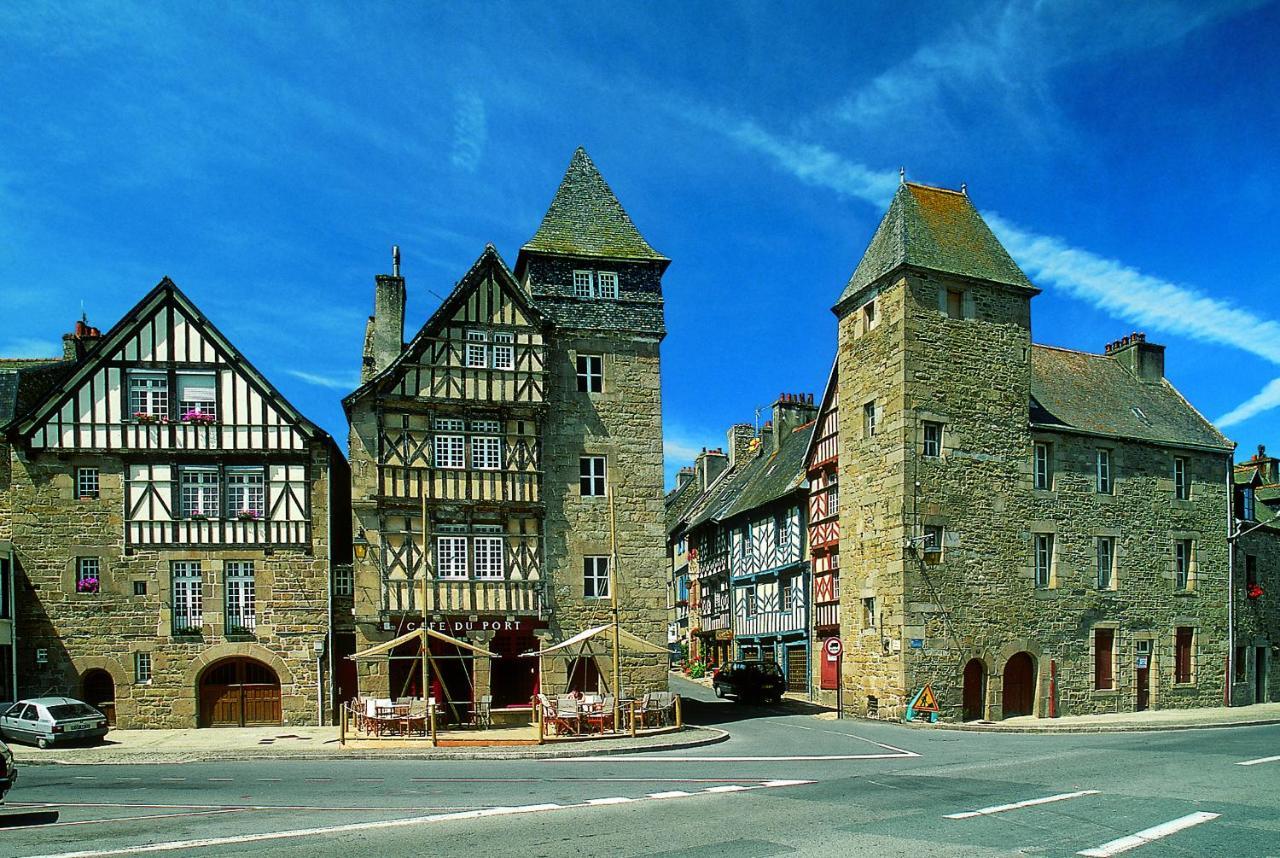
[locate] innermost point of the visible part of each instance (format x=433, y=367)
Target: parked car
x=45, y=721
x=8, y=771
x=749, y=680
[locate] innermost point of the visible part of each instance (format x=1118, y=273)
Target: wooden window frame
x=142, y=668
x=486, y=452
x=1105, y=549
x=1104, y=477
x=1043, y=560
x=596, y=585
x=1181, y=484
x=592, y=476
x=1042, y=465
x=477, y=350
x=583, y=284
x=932, y=426
x=489, y=553
x=1183, y=562
x=187, y=588
x=88, y=482
x=590, y=380
x=607, y=284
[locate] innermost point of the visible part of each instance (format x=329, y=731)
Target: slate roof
x=756, y=482
x=678, y=501
x=24, y=381
x=585, y=219
x=939, y=230
x=1096, y=393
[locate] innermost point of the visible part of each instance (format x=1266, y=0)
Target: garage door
x=797, y=669
x=239, y=692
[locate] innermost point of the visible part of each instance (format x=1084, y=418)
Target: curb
x=1085, y=728
x=336, y=753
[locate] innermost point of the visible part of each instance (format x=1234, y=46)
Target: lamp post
x=318, y=646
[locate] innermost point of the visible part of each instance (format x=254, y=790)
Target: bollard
x=342, y=730
x=679, y=714
x=431, y=714
x=633, y=718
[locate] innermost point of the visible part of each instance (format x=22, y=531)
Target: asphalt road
x=785, y=783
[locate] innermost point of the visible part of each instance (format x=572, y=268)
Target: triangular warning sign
x=926, y=701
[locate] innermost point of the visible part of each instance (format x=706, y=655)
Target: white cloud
x=470, y=132
x=345, y=382
x=1264, y=400
x=680, y=451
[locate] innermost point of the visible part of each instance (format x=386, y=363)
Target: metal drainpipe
x=1231, y=590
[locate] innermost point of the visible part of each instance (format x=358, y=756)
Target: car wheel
x=42, y=742
x=719, y=692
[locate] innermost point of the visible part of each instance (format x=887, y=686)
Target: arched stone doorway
x=1019, y=690
x=975, y=690
x=239, y=692
x=98, y=689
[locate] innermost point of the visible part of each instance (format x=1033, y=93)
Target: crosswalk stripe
x=1017, y=805
x=1147, y=835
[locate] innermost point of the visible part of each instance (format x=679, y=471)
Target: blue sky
x=266, y=157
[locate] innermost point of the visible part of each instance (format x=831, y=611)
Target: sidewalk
x=321, y=743
x=1152, y=719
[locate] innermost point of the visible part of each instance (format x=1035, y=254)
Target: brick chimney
x=384, y=334
x=1145, y=360
x=76, y=344
x=791, y=411
x=709, y=464
x=739, y=440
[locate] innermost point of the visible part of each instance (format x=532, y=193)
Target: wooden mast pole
x=613, y=599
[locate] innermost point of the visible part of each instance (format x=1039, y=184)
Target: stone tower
x=934, y=337
x=599, y=283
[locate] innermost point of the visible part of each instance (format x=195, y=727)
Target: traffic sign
x=926, y=702
x=833, y=647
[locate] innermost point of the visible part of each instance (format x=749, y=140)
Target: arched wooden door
x=1019, y=685
x=975, y=690
x=99, y=690
x=239, y=692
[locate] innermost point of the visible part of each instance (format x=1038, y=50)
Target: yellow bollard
x=431, y=713
x=679, y=714
x=633, y=719
x=342, y=730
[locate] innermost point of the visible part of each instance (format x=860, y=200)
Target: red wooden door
x=239, y=692
x=830, y=667
x=1019, y=685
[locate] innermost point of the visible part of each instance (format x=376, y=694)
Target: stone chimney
x=791, y=411
x=1143, y=359
x=76, y=344
x=384, y=335
x=766, y=437
x=739, y=440
x=709, y=465
x=684, y=476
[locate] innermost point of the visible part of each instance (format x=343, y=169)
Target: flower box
x=149, y=419
x=87, y=585
x=198, y=418
x=198, y=516
x=248, y=515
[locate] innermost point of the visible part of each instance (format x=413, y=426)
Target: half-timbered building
x=822, y=464
x=507, y=461
x=171, y=530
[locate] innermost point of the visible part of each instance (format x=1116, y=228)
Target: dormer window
x=595, y=284
x=197, y=396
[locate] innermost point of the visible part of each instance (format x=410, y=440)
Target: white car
x=45, y=721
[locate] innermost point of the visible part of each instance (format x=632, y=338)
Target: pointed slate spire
x=939, y=230
x=586, y=219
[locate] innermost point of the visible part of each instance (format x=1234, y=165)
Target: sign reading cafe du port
x=460, y=625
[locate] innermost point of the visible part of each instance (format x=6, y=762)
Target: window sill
x=1185, y=594
x=1104, y=692
x=1184, y=686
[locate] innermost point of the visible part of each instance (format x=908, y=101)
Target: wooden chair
x=568, y=718
x=600, y=718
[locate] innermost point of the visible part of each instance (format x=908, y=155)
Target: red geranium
x=1253, y=591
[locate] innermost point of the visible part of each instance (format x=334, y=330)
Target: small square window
x=607, y=284
x=591, y=471
x=1104, y=483
x=955, y=304
x=590, y=373
x=87, y=483
x=932, y=440
x=582, y=286
x=344, y=580
x=139, y=588
x=595, y=577
x=933, y=536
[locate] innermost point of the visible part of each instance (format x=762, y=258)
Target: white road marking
x=675, y=793
x=172, y=780
x=203, y=843
x=220, y=780
x=1017, y=805
x=1259, y=760
x=617, y=799
x=727, y=788
x=645, y=758
x=86, y=777
x=800, y=727
x=1148, y=835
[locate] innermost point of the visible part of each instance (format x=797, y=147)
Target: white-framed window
x=750, y=601
x=786, y=595
x=88, y=574
x=450, y=449
x=1183, y=551
x=344, y=580
x=88, y=482
x=595, y=577
x=1043, y=465
x=582, y=284
x=1044, y=559
x=607, y=284
x=932, y=439
x=188, y=596
x=477, y=349
x=148, y=394
x=486, y=452
x=1181, y=485
x=591, y=481
x=1246, y=503
x=1106, y=562
x=504, y=350
x=869, y=612
x=197, y=396
x=781, y=527
x=869, y=419
x=199, y=492
x=1104, y=472
x=246, y=493
x=142, y=668
x=451, y=557
x=489, y=557
x=590, y=373
x=241, y=604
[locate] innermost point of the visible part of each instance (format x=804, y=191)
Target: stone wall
x=81, y=631
x=623, y=423
x=1257, y=620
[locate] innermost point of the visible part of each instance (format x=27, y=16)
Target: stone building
x=507, y=461
x=169, y=527
x=1256, y=573
x=1027, y=529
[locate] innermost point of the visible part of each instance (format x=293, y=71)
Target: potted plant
x=146, y=417
x=248, y=515
x=1254, y=591
x=198, y=516
x=87, y=585
x=197, y=417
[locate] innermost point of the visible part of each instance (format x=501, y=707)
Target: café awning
x=419, y=634
x=582, y=640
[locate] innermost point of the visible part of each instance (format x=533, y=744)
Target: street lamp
x=360, y=546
